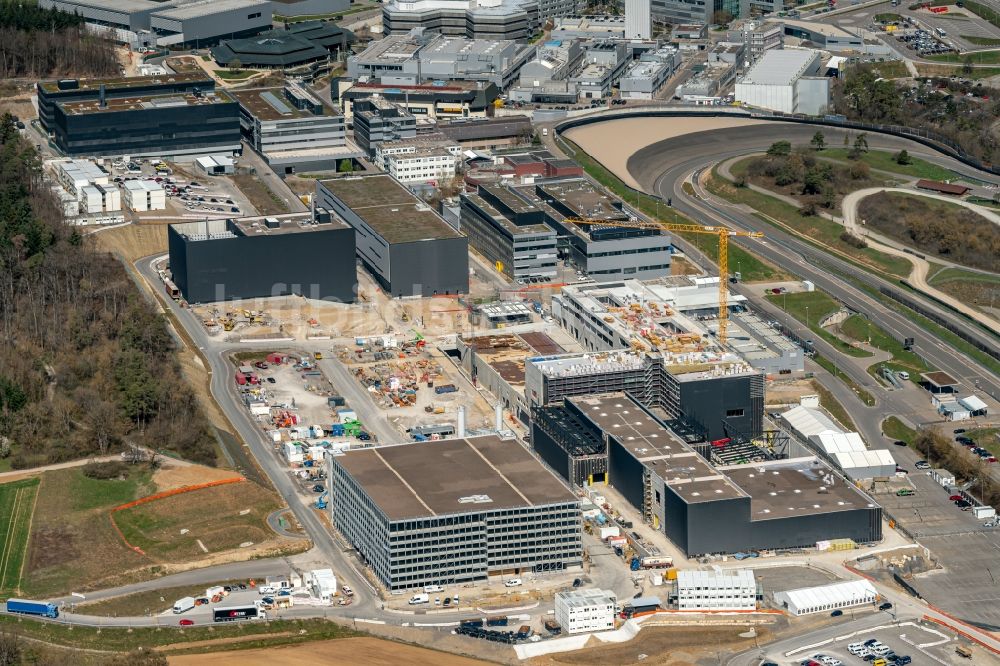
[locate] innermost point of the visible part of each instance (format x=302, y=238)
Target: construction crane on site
x=722, y=232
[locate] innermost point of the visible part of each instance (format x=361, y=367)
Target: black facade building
x=769, y=504
x=182, y=116
x=297, y=45
x=221, y=260
x=569, y=443
x=408, y=248
x=378, y=121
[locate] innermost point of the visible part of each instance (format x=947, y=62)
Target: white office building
x=144, y=195
x=74, y=175
x=716, y=590
x=826, y=598
x=421, y=165
x=786, y=80
x=580, y=611
x=322, y=584
x=96, y=199
x=638, y=19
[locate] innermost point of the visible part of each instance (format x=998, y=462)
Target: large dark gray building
x=453, y=511
x=177, y=114
x=407, y=247
x=379, y=121
x=219, y=260
x=703, y=508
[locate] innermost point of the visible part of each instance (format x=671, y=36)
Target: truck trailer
x=235, y=613
x=25, y=607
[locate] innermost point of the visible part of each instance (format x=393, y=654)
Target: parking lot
x=922, y=644
x=187, y=192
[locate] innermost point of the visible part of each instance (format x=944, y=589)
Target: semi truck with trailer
x=39, y=608
x=236, y=613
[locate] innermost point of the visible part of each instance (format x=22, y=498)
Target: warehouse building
x=205, y=22
x=419, y=56
x=488, y=133
x=124, y=21
x=407, y=247
x=824, y=36
x=476, y=19
x=166, y=117
x=719, y=397
x=786, y=80
x=589, y=27
x=717, y=590
x=432, y=101
x=509, y=233
x=485, y=507
x=827, y=598
x=306, y=255
x=582, y=611
x=704, y=508
x=292, y=129
x=297, y=45
x=842, y=449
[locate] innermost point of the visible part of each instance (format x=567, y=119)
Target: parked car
x=318, y=488
x=958, y=431
x=885, y=606
x=922, y=464
x=955, y=498
x=900, y=443
x=512, y=582
x=837, y=613
x=186, y=622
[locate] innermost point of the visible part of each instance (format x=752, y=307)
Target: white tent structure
x=825, y=598
x=848, y=452
x=808, y=422
x=974, y=404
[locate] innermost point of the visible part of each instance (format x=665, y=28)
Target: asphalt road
x=663, y=167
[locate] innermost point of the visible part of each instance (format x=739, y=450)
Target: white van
x=433, y=589
x=512, y=582
x=902, y=374
x=183, y=605
x=418, y=599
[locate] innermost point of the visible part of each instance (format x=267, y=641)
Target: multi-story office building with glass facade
x=453, y=511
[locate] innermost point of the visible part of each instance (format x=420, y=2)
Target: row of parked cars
x=877, y=652
x=975, y=450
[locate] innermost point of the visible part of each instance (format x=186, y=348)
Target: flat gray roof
x=452, y=476
x=390, y=209
x=207, y=8
x=795, y=487
x=685, y=471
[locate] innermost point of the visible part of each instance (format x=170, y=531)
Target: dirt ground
x=133, y=241
x=683, y=266
x=612, y=143
x=786, y=391
x=369, y=651
x=659, y=646
x=173, y=475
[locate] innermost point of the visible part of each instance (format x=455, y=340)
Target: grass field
x=753, y=268
x=17, y=502
x=235, y=74
x=886, y=161
x=861, y=328
x=810, y=308
x=254, y=635
x=981, y=41
x=260, y=197
x=894, y=429
x=813, y=228
x=924, y=69
x=979, y=290
x=238, y=514
x=976, y=57
x=831, y=367
x=75, y=547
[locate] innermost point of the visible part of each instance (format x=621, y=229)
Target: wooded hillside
x=86, y=364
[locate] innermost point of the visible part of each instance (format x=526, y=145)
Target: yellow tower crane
x=722, y=232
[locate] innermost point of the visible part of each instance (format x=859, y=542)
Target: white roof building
x=846, y=450
x=787, y=80
x=581, y=611
x=973, y=403
x=322, y=583
x=825, y=598
x=865, y=464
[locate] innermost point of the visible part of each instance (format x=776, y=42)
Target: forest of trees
x=940, y=230
x=45, y=43
x=87, y=366
x=942, y=106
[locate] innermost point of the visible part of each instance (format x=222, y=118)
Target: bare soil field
x=612, y=143
x=173, y=475
x=133, y=241
x=368, y=651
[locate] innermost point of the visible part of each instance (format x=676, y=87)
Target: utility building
x=716, y=590
x=220, y=260
x=408, y=248
x=453, y=511
x=786, y=80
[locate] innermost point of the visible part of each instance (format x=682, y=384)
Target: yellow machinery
x=722, y=232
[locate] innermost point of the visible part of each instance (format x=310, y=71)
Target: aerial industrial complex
x=435, y=263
